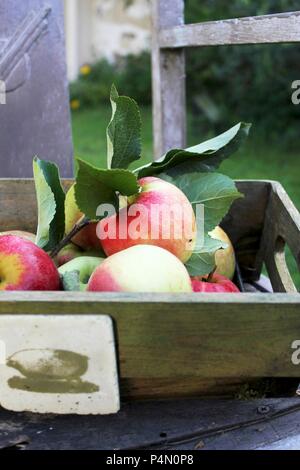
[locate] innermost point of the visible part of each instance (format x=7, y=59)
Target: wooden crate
x=190, y=344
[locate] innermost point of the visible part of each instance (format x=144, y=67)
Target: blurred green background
x=224, y=85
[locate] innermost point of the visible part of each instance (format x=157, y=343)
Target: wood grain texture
x=36, y=117
x=168, y=81
x=185, y=335
x=18, y=209
x=278, y=28
x=244, y=224
x=133, y=388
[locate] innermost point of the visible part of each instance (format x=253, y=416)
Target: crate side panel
x=18, y=209
x=244, y=224
x=241, y=335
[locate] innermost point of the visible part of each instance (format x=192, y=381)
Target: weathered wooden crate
x=190, y=344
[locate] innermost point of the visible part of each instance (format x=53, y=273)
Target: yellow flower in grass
x=85, y=69
x=75, y=104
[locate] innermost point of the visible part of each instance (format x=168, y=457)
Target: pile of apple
x=131, y=265
x=67, y=252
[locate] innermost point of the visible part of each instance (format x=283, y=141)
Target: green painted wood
x=186, y=335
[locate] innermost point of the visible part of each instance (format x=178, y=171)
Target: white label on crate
x=63, y=364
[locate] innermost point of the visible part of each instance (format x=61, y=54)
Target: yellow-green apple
x=84, y=265
x=214, y=283
x=87, y=238
x=160, y=214
x=21, y=233
x=141, y=268
x=224, y=258
x=25, y=266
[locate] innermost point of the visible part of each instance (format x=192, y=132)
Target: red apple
x=25, y=266
x=215, y=283
x=159, y=215
x=141, y=268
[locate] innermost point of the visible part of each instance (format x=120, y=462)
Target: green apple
x=76, y=273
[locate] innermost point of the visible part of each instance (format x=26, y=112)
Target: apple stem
x=83, y=222
x=210, y=276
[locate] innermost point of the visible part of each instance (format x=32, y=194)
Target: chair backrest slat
x=266, y=29
x=171, y=36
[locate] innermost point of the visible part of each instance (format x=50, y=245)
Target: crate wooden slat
x=189, y=344
x=267, y=29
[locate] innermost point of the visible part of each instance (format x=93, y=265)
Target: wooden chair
x=170, y=38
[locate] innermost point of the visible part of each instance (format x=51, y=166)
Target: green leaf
x=50, y=202
x=215, y=191
x=123, y=132
x=202, y=260
x=203, y=157
x=71, y=281
x=95, y=186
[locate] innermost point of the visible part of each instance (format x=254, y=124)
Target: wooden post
x=168, y=80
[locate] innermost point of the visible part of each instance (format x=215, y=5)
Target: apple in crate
x=87, y=238
x=141, y=268
x=224, y=258
x=166, y=220
x=213, y=283
x=84, y=266
x=25, y=266
x=67, y=254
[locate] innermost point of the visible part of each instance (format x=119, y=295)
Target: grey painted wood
x=175, y=424
x=276, y=28
x=168, y=81
x=35, y=119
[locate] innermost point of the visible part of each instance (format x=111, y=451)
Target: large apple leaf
x=123, y=132
x=211, y=195
x=212, y=191
x=50, y=202
x=96, y=186
x=206, y=156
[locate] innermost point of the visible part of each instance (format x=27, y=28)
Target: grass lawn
x=252, y=161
